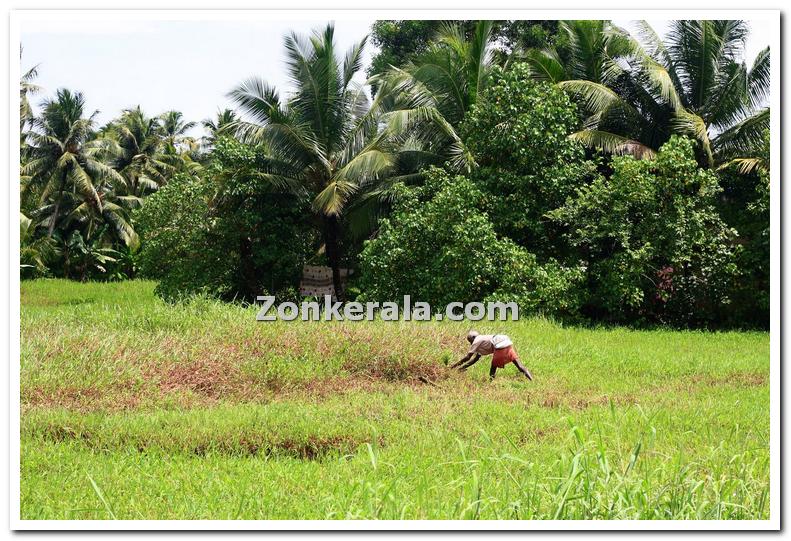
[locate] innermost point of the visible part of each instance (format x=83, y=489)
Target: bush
x=518, y=132
x=177, y=247
x=656, y=247
x=224, y=234
x=549, y=289
x=439, y=246
x=744, y=205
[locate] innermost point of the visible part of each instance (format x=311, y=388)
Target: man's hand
x=474, y=360
x=461, y=361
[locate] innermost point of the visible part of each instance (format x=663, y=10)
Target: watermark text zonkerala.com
x=329, y=310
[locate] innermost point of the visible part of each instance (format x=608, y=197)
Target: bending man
x=499, y=346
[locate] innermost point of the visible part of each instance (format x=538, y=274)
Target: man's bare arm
x=492, y=372
x=462, y=360
x=470, y=363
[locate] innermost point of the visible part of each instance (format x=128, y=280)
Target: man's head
x=471, y=336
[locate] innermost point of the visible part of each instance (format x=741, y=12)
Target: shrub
x=656, y=247
x=177, y=247
x=439, y=246
x=550, y=288
x=224, y=234
x=744, y=205
x=518, y=132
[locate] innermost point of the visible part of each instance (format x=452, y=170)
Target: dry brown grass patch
x=212, y=378
x=117, y=397
x=309, y=447
x=737, y=379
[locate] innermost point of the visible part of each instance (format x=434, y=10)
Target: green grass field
x=135, y=409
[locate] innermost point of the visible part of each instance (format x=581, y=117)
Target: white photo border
x=17, y=17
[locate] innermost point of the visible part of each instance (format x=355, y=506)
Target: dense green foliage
x=327, y=145
x=80, y=184
x=437, y=246
x=449, y=74
x=518, y=133
x=637, y=93
x=224, y=233
x=588, y=176
x=440, y=246
x=567, y=165
x=653, y=241
x=400, y=41
x=176, y=250
x=744, y=205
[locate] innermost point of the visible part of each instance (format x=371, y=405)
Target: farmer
x=498, y=345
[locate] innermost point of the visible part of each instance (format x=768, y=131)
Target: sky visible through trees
x=169, y=59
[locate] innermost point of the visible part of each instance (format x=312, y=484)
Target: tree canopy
x=584, y=172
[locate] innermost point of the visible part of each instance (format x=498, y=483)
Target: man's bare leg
x=523, y=370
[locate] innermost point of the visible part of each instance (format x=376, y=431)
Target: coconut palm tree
x=326, y=141
x=98, y=225
x=64, y=168
x=596, y=65
x=175, y=128
x=451, y=73
x=222, y=123
x=26, y=89
x=591, y=52
x=636, y=95
x=134, y=145
x=181, y=151
x=719, y=100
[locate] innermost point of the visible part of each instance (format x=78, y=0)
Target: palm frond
x=333, y=198
x=353, y=62
x=596, y=97
x=687, y=123
x=25, y=227
x=745, y=166
x=480, y=56
x=729, y=99
x=613, y=144
x=657, y=50
x=428, y=124
x=113, y=214
x=370, y=163
x=742, y=138
x=758, y=79
x=83, y=183
x=662, y=81
x=700, y=49
x=545, y=65
x=129, y=201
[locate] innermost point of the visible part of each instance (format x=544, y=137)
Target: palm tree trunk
x=332, y=249
x=54, y=219
x=248, y=270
